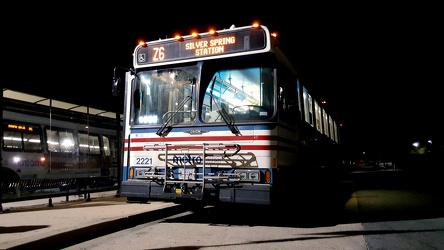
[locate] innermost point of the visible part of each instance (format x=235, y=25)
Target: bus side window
x=287, y=96
x=89, y=144
x=94, y=145
x=106, y=146
x=32, y=142
x=60, y=141
x=12, y=140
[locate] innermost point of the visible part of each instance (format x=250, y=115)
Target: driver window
x=246, y=94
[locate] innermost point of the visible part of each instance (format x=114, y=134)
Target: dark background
x=376, y=65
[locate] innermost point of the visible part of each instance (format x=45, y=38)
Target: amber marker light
x=195, y=35
x=131, y=173
x=267, y=176
x=178, y=38
x=256, y=25
x=213, y=33
x=142, y=43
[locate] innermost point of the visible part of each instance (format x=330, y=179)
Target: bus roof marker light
x=195, y=35
x=143, y=44
x=256, y=25
x=213, y=33
x=178, y=38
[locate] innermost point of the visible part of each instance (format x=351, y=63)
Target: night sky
x=375, y=65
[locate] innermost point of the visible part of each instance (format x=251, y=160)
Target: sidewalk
x=59, y=200
x=34, y=224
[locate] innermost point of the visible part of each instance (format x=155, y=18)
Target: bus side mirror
x=116, y=86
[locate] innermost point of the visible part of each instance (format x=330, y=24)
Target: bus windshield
x=246, y=94
x=165, y=96
x=168, y=97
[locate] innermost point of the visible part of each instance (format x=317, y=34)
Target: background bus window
x=12, y=140
x=31, y=142
x=89, y=144
x=106, y=146
x=60, y=140
x=22, y=138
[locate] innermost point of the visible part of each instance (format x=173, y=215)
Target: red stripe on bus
x=243, y=147
x=203, y=138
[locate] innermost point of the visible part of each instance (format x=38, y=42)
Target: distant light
x=324, y=102
x=415, y=144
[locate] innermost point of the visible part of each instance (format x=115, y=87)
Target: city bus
x=50, y=145
x=222, y=117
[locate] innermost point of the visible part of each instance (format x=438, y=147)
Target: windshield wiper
x=228, y=119
x=164, y=129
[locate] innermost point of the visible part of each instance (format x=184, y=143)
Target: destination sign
x=20, y=127
x=236, y=41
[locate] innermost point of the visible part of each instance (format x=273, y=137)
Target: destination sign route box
x=228, y=42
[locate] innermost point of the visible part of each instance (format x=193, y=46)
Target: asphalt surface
x=35, y=224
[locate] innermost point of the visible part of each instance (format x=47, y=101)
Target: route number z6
x=159, y=54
